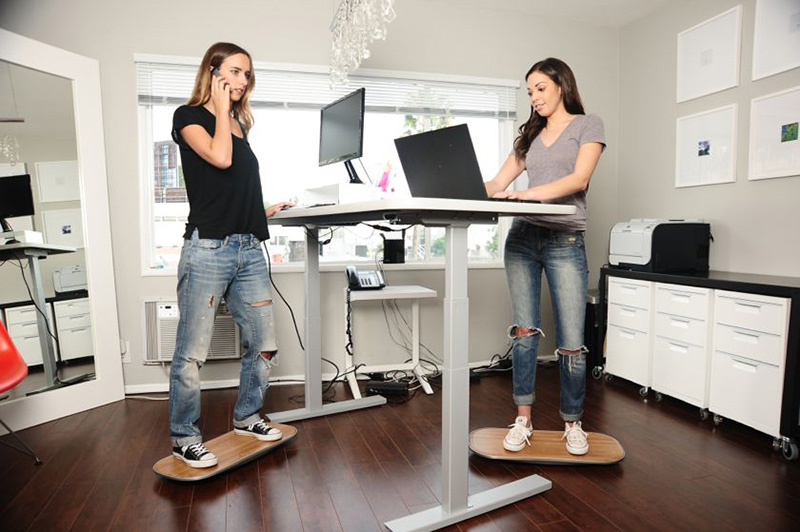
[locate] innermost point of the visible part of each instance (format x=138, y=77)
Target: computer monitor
x=341, y=132
x=16, y=198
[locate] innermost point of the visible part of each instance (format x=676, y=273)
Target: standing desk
x=456, y=216
x=33, y=252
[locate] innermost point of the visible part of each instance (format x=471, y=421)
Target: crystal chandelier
x=355, y=25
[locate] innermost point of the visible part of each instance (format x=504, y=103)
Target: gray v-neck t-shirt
x=547, y=164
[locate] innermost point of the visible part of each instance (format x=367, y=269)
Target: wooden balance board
x=546, y=447
x=231, y=451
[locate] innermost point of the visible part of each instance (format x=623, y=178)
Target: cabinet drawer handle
x=30, y=337
x=628, y=311
x=747, y=338
x=680, y=298
x=629, y=288
x=678, y=348
x=744, y=366
x=750, y=308
x=627, y=334
x=682, y=324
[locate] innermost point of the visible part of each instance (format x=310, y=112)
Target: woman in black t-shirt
x=221, y=255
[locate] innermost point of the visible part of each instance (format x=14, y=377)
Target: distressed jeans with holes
x=561, y=255
x=210, y=269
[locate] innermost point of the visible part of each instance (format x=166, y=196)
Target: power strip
x=386, y=388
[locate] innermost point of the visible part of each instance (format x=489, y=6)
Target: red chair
x=13, y=370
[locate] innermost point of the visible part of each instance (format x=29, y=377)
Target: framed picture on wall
x=58, y=181
x=63, y=227
x=774, y=144
x=776, y=39
x=708, y=56
x=705, y=149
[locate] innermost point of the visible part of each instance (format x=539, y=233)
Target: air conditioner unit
x=161, y=330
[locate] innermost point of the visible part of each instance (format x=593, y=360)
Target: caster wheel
x=643, y=391
x=717, y=419
x=790, y=451
x=658, y=397
x=776, y=444
x=704, y=415
x=597, y=372
x=609, y=377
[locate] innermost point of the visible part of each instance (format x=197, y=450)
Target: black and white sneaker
x=195, y=455
x=260, y=431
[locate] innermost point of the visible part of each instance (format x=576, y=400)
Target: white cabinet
x=74, y=325
x=629, y=330
x=682, y=340
x=22, y=326
x=750, y=339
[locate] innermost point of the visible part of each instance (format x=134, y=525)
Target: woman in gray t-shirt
x=559, y=147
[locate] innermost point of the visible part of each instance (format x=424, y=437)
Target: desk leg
x=48, y=355
x=456, y=504
x=313, y=348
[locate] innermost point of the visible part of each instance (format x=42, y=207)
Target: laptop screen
x=441, y=164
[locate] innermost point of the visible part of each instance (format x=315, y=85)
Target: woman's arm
x=578, y=180
x=216, y=150
x=510, y=170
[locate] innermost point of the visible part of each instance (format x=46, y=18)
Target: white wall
x=428, y=36
x=754, y=223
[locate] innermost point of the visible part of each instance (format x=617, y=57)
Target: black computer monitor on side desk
x=341, y=132
x=16, y=199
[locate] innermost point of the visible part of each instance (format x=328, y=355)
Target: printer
x=652, y=245
x=69, y=279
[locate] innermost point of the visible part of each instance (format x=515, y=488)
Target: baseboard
x=163, y=387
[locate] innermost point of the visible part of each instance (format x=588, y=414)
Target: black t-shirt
x=222, y=202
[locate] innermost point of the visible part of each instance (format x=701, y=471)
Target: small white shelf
x=392, y=292
x=412, y=292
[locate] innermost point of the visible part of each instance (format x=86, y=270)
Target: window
x=285, y=139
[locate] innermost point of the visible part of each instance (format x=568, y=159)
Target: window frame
x=147, y=166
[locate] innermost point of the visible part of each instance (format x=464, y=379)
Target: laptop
x=442, y=164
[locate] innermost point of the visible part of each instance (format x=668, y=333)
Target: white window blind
x=171, y=84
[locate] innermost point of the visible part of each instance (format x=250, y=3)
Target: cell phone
x=215, y=72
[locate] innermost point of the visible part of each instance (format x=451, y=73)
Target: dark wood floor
x=355, y=471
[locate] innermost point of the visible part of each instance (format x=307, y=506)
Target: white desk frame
x=455, y=216
x=33, y=252
x=414, y=293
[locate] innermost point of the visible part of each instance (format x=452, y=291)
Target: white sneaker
x=517, y=437
x=576, y=438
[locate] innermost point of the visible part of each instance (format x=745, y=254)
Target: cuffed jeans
x=529, y=250
x=209, y=269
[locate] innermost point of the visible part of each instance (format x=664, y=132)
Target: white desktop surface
x=430, y=206
x=51, y=249
x=455, y=216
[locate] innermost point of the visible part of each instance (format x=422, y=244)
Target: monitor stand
x=351, y=171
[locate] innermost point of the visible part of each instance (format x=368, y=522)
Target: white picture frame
x=705, y=147
x=776, y=38
x=774, y=143
x=58, y=181
x=709, y=56
x=63, y=227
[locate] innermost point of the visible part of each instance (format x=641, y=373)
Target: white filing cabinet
x=750, y=340
x=629, y=336
x=74, y=324
x=24, y=332
x=682, y=342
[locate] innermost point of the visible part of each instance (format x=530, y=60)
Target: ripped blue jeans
x=529, y=250
x=210, y=269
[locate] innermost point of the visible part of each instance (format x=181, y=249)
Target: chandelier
x=355, y=25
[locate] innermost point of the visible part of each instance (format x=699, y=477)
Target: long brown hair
x=201, y=93
x=558, y=71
